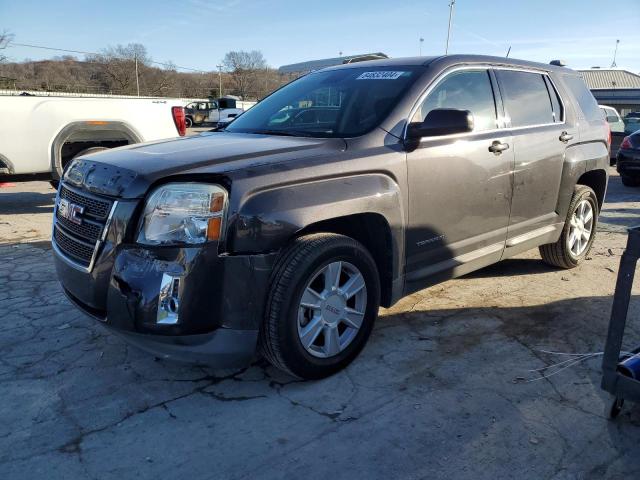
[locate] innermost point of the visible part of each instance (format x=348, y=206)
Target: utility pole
x=451, y=4
x=135, y=56
x=615, y=53
x=421, y=42
x=220, y=79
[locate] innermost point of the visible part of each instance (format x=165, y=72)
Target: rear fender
x=579, y=159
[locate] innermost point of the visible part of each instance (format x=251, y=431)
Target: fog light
x=168, y=300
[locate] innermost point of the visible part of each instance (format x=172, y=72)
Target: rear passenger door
x=534, y=114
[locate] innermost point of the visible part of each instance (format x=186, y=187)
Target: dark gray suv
x=342, y=191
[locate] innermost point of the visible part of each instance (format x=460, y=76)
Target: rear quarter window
x=583, y=96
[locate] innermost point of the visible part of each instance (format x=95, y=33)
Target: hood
x=129, y=171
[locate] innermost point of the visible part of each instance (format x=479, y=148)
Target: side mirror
x=442, y=121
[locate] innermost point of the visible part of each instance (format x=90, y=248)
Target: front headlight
x=183, y=213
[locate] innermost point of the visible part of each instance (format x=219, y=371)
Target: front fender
x=268, y=219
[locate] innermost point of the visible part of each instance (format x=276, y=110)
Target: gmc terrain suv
x=347, y=189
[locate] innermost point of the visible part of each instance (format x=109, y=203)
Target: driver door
x=459, y=191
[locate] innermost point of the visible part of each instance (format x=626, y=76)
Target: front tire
x=322, y=304
x=578, y=233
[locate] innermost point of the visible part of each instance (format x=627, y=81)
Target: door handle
x=565, y=137
x=498, y=147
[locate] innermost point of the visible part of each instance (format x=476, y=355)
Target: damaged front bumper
x=184, y=303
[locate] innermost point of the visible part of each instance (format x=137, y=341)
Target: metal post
x=219, y=80
x=421, y=42
x=135, y=56
x=451, y=4
x=615, y=53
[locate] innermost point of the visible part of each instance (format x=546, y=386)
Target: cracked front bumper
x=217, y=319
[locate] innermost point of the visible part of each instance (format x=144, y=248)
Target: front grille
x=79, y=251
x=88, y=230
x=79, y=242
x=93, y=206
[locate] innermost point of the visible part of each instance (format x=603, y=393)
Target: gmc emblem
x=70, y=211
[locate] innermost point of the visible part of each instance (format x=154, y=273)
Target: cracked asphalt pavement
x=446, y=387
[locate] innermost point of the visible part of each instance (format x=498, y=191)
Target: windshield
x=337, y=103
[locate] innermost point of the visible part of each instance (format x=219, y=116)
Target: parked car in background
x=215, y=112
x=613, y=118
x=197, y=113
x=285, y=233
x=628, y=164
x=617, y=129
x=631, y=124
x=42, y=134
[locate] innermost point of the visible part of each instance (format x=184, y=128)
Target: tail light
x=626, y=143
x=178, y=119
x=609, y=134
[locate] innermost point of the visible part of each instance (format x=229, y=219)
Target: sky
x=197, y=33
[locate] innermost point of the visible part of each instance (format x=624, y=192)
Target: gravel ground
x=443, y=390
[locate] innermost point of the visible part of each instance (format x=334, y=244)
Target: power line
x=42, y=47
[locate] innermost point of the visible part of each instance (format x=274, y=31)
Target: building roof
x=601, y=78
x=304, y=67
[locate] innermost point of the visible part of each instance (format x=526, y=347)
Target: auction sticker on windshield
x=381, y=75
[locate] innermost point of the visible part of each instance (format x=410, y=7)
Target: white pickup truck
x=40, y=134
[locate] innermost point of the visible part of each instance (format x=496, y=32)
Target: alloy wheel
x=331, y=309
x=580, y=228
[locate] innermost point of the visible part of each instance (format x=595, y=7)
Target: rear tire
x=629, y=181
x=565, y=253
x=188, y=122
x=300, y=265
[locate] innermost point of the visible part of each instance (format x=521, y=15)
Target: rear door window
x=526, y=98
x=583, y=96
x=464, y=90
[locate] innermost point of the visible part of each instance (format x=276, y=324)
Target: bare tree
x=118, y=71
x=158, y=82
x=243, y=68
x=5, y=39
x=113, y=71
